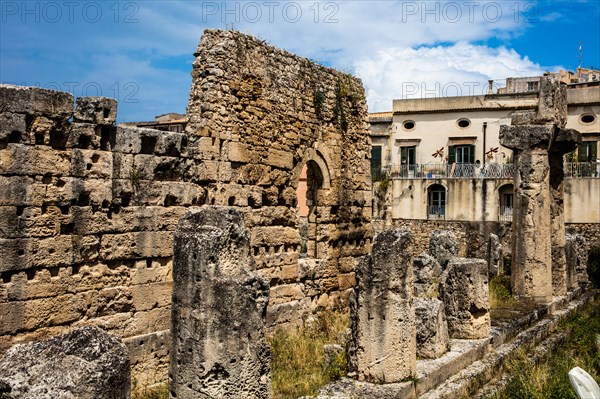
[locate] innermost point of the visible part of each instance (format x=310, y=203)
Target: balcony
x=582, y=169
x=505, y=213
x=453, y=171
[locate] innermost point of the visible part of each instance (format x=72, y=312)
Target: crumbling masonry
x=88, y=210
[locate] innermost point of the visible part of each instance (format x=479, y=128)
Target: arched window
x=309, y=185
x=436, y=202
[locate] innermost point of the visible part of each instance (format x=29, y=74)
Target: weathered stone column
x=432, y=328
x=218, y=311
x=538, y=139
x=464, y=289
x=564, y=142
x=383, y=317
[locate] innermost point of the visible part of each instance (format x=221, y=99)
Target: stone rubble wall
x=266, y=113
x=87, y=213
x=88, y=209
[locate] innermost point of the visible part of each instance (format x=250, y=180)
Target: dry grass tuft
x=297, y=357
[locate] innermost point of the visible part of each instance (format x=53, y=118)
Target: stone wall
x=265, y=114
x=87, y=214
x=88, y=209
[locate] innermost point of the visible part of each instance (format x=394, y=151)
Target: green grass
x=549, y=378
x=159, y=392
x=297, y=357
x=500, y=293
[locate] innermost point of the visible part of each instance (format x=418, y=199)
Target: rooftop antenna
x=580, y=54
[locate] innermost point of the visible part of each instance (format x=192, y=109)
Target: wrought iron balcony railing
x=453, y=171
x=582, y=169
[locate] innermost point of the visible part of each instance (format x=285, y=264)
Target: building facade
x=442, y=159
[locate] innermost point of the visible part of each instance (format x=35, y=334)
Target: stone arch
x=320, y=159
x=313, y=179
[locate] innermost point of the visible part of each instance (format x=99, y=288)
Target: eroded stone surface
x=495, y=254
x=383, y=348
x=464, y=289
x=85, y=364
x=218, y=311
x=427, y=271
x=539, y=141
x=432, y=328
x=576, y=259
x=443, y=246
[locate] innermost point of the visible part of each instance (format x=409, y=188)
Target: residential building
x=445, y=161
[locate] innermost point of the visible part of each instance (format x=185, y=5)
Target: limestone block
x=280, y=159
x=432, y=328
x=19, y=159
x=427, y=271
x=91, y=164
x=85, y=248
x=287, y=314
x=26, y=253
x=98, y=110
x=552, y=103
x=382, y=312
x=207, y=149
x=238, y=152
x=36, y=101
x=38, y=313
x=202, y=172
x=152, y=167
x=285, y=293
x=169, y=143
x=30, y=221
x=464, y=289
x=525, y=137
x=218, y=312
x=150, y=296
x=443, y=246
x=274, y=235
x=87, y=364
x=523, y=117
x=72, y=190
x=128, y=139
x=565, y=141
x=13, y=128
x=123, y=166
x=143, y=244
x=84, y=135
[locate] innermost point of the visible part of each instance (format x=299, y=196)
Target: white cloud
x=460, y=69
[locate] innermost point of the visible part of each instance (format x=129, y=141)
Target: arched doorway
x=436, y=202
x=310, y=183
x=505, y=202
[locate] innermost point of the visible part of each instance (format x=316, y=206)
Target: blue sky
x=140, y=52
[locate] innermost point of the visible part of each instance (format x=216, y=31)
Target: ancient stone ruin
x=539, y=141
x=88, y=209
x=218, y=311
x=383, y=320
x=190, y=247
x=87, y=363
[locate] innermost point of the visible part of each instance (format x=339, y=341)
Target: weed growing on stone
x=297, y=357
x=500, y=292
x=158, y=392
x=548, y=379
